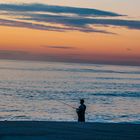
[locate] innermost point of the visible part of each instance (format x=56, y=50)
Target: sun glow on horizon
x=69, y=37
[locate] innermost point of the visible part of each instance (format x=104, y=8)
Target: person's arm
x=78, y=110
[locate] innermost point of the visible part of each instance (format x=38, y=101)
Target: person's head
x=81, y=101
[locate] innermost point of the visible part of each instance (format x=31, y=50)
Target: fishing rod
x=66, y=104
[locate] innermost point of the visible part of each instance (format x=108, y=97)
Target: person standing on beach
x=81, y=111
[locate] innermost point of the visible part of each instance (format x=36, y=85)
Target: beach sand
x=42, y=130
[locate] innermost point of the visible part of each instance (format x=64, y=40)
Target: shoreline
x=42, y=130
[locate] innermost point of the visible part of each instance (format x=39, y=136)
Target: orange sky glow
x=120, y=45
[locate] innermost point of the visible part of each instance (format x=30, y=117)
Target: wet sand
x=42, y=130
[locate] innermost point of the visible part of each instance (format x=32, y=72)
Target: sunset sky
x=91, y=31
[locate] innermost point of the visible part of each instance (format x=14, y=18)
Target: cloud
x=60, y=47
x=56, y=9
x=36, y=16
x=128, y=49
x=23, y=24
x=70, y=57
x=12, y=52
x=16, y=23
x=83, y=21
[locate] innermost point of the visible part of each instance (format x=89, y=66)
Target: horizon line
x=72, y=62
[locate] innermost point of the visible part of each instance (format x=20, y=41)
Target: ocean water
x=32, y=90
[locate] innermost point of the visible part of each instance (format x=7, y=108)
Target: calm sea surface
x=36, y=91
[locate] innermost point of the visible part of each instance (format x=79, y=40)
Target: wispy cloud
x=31, y=25
x=24, y=24
x=12, y=52
x=56, y=9
x=36, y=16
x=71, y=57
x=83, y=21
x=60, y=47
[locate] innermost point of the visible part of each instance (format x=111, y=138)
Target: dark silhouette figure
x=81, y=111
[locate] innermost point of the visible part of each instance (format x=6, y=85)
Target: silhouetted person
x=81, y=111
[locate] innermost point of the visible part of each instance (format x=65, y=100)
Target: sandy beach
x=41, y=130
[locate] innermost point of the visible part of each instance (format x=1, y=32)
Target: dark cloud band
x=84, y=21
x=56, y=9
x=79, y=19
x=60, y=47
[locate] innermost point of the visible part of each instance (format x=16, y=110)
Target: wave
x=87, y=70
x=116, y=94
x=57, y=94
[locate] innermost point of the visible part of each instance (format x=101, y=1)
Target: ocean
x=45, y=91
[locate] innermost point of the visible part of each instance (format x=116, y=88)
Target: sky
x=91, y=31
